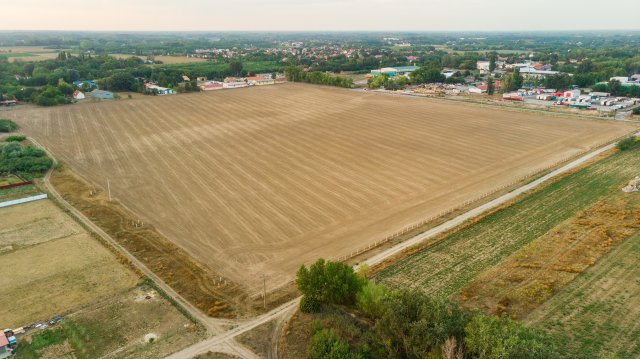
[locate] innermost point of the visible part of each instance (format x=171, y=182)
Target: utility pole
x=109, y=189
x=264, y=291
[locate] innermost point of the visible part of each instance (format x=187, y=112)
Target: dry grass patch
x=56, y=267
x=189, y=278
x=532, y=275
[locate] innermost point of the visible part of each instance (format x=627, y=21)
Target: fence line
x=424, y=221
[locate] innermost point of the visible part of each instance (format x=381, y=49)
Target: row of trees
x=407, y=323
x=298, y=74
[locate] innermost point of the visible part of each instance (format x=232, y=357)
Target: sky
x=320, y=15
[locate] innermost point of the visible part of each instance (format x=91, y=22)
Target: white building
x=159, y=90
x=484, y=66
x=78, y=95
x=532, y=72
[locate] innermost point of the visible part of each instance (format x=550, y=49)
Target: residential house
x=260, y=80
x=528, y=72
x=5, y=349
x=450, y=73
x=78, y=95
x=158, y=90
x=212, y=85
x=85, y=85
x=234, y=82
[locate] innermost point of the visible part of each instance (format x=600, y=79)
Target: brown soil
x=261, y=180
x=192, y=280
x=261, y=339
x=532, y=275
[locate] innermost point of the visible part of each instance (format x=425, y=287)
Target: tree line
x=298, y=74
x=405, y=323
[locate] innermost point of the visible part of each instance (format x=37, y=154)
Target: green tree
x=235, y=68
x=325, y=344
x=329, y=282
x=427, y=75
x=7, y=125
x=497, y=338
x=492, y=62
x=615, y=87
x=627, y=143
x=636, y=111
x=370, y=299
x=491, y=87
x=415, y=326
x=511, y=81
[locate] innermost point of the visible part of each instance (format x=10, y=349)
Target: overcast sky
x=273, y=15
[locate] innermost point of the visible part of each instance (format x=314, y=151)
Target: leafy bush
x=329, y=282
x=370, y=299
x=297, y=74
x=309, y=305
x=15, y=138
x=636, y=111
x=627, y=143
x=415, y=326
x=493, y=338
x=7, y=125
x=15, y=158
x=325, y=344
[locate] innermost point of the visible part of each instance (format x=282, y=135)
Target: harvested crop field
x=260, y=180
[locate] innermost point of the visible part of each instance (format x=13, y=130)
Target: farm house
x=78, y=95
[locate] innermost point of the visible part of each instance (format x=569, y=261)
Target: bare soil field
x=214, y=295
x=261, y=180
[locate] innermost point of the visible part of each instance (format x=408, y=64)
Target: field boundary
x=14, y=202
x=459, y=220
x=495, y=205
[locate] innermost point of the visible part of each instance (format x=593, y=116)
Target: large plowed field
x=260, y=180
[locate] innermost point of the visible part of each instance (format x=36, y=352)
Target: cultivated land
x=57, y=268
x=598, y=312
x=165, y=59
x=260, y=180
x=27, y=53
x=454, y=261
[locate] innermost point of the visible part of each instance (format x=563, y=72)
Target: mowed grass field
x=261, y=180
